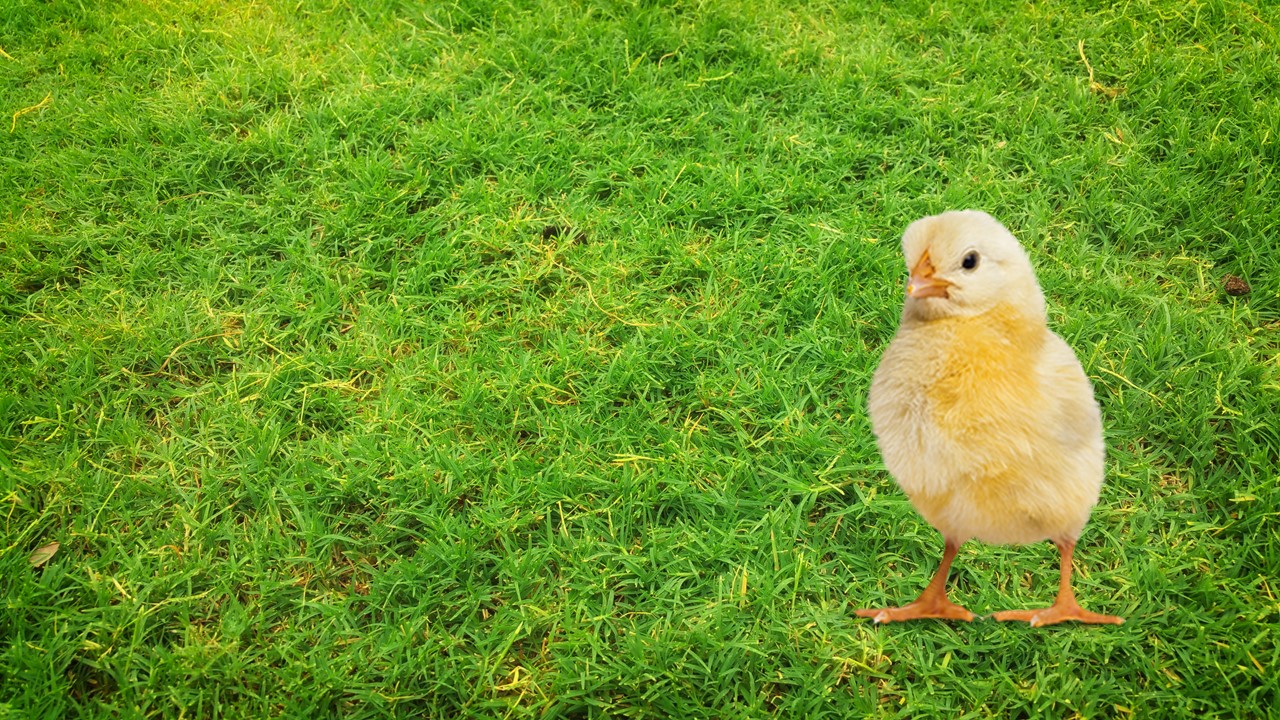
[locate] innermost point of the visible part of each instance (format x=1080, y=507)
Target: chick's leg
x=932, y=603
x=1065, y=607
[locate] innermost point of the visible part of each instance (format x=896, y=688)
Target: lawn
x=510, y=359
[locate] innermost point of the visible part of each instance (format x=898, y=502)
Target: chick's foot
x=941, y=609
x=1065, y=607
x=932, y=603
x=1059, y=612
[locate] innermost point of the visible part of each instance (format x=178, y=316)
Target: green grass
x=500, y=359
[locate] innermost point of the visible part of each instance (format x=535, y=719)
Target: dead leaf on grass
x=43, y=554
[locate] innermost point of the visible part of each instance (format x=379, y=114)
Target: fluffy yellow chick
x=983, y=415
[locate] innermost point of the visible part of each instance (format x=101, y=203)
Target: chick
x=983, y=415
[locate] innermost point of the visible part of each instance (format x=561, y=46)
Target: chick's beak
x=922, y=283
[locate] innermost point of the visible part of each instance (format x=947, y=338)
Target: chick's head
x=964, y=263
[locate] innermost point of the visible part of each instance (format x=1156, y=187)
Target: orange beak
x=922, y=283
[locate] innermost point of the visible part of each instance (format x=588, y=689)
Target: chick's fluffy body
x=983, y=415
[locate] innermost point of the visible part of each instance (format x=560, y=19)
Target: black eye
x=970, y=261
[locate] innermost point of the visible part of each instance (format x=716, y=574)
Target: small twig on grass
x=173, y=352
x=592, y=295
x=1094, y=85
x=1131, y=384
x=183, y=197
x=7, y=55
x=47, y=99
x=673, y=184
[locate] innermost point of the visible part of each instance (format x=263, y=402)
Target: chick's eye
x=970, y=261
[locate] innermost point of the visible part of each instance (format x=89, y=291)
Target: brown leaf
x=43, y=554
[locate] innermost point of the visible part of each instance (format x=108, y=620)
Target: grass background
x=492, y=358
